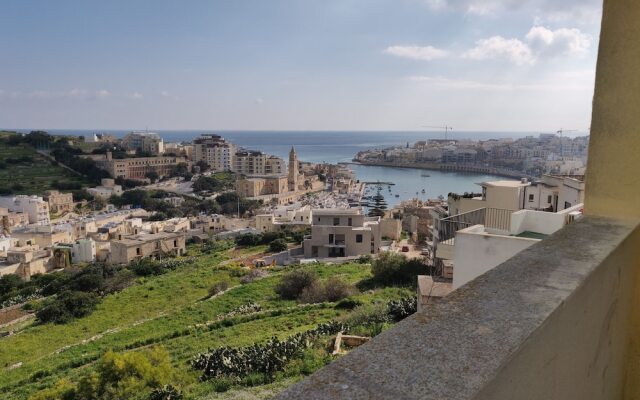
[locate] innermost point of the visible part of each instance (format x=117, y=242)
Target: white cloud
x=539, y=43
x=417, y=52
x=448, y=83
x=164, y=93
x=74, y=94
x=563, y=41
x=513, y=50
x=258, y=100
x=135, y=96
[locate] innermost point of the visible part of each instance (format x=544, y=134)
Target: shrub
x=127, y=375
x=249, y=239
x=277, y=246
x=252, y=275
x=333, y=289
x=348, y=304
x=368, y=314
x=293, y=283
x=394, y=268
x=218, y=287
x=400, y=309
x=68, y=305
x=365, y=259
x=265, y=359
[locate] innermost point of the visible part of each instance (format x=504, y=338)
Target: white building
x=107, y=189
x=83, y=251
x=477, y=249
x=144, y=141
x=34, y=206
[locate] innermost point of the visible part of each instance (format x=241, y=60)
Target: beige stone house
x=342, y=233
x=143, y=245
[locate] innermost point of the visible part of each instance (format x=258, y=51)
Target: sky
x=494, y=65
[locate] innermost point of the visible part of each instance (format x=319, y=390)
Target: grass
x=34, y=177
x=171, y=310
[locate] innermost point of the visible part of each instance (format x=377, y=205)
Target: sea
x=341, y=146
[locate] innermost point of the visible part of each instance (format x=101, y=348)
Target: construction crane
x=446, y=129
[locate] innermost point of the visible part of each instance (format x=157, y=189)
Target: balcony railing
x=492, y=218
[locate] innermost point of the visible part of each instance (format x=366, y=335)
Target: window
x=358, y=238
x=350, y=221
x=549, y=199
x=331, y=238
x=137, y=250
x=336, y=221
x=175, y=243
x=530, y=198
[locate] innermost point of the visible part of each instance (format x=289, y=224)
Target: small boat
x=425, y=175
x=423, y=191
x=397, y=195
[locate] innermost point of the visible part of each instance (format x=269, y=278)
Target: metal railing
x=492, y=218
x=447, y=227
x=498, y=218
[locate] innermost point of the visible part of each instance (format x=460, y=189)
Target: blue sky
x=285, y=65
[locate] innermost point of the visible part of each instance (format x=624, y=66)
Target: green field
x=33, y=177
x=171, y=310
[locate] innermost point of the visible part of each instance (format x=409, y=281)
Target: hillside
x=24, y=171
x=173, y=311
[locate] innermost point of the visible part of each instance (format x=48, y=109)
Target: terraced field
x=174, y=311
x=34, y=175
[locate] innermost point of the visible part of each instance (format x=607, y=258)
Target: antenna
x=446, y=129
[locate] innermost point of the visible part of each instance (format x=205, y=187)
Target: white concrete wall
x=536, y=221
x=476, y=252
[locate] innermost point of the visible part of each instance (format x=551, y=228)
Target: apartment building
x=342, y=233
x=137, y=168
x=34, y=207
x=144, y=141
x=143, y=245
x=249, y=162
x=59, y=202
x=215, y=151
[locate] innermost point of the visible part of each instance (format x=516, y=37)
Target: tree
x=203, y=165
x=68, y=305
x=393, y=268
x=152, y=176
x=293, y=283
x=277, y=246
x=379, y=205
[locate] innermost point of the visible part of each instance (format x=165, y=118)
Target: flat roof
x=504, y=183
x=337, y=211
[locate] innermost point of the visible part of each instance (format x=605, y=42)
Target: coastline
x=446, y=168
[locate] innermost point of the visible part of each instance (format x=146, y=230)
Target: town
x=155, y=197
x=549, y=153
